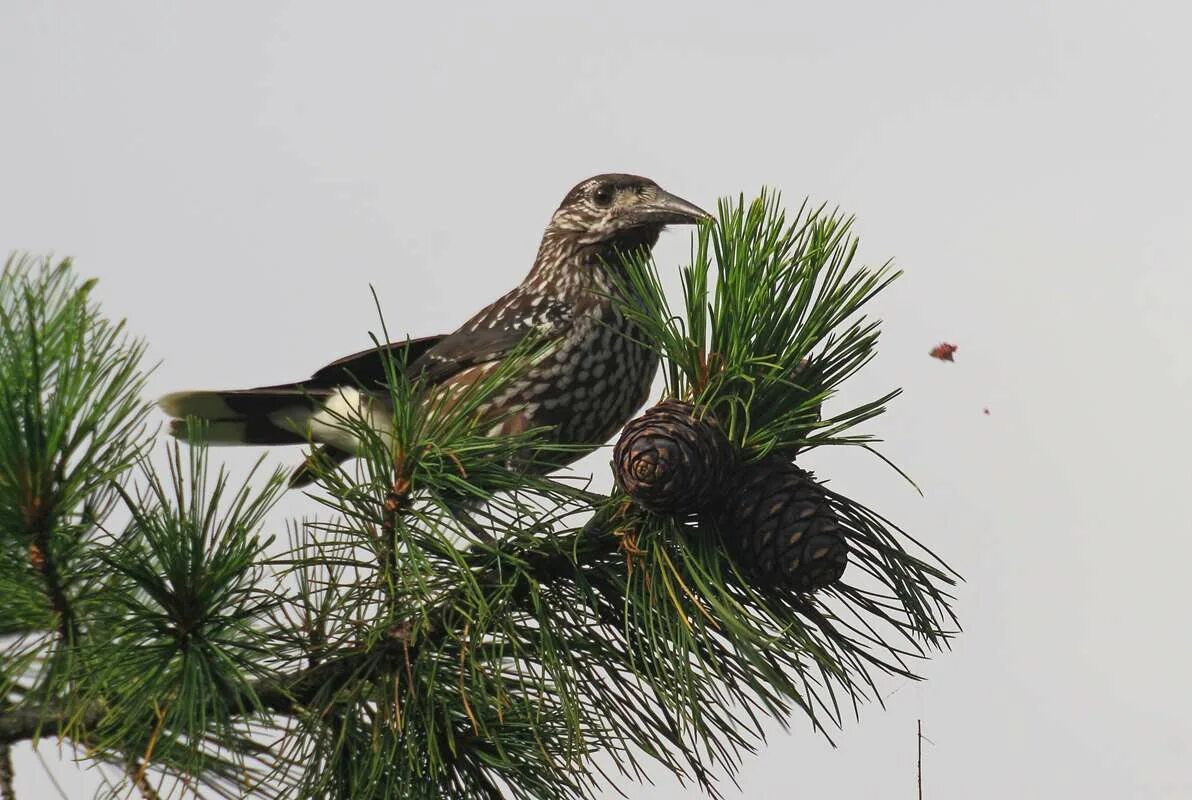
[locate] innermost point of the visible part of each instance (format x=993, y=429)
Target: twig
x=919, y=740
x=461, y=513
x=6, y=773
x=27, y=721
x=396, y=500
x=136, y=772
x=280, y=695
x=43, y=563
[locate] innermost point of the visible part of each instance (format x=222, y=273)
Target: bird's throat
x=572, y=265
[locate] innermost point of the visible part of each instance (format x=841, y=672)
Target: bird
x=595, y=371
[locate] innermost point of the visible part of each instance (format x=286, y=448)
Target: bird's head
x=621, y=208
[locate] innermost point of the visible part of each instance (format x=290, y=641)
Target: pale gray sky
x=236, y=174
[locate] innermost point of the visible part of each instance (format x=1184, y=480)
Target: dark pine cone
x=671, y=461
x=781, y=530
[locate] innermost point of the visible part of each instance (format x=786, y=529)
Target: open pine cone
x=780, y=528
x=672, y=460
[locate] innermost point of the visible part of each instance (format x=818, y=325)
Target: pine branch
x=137, y=774
x=42, y=560
x=283, y=695
x=38, y=719
x=458, y=627
x=288, y=694
x=71, y=422
x=6, y=772
x=314, y=691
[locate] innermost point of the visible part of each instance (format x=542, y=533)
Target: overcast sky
x=237, y=174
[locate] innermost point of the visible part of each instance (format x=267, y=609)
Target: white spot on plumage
x=330, y=423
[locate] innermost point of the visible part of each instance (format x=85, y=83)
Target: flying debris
x=943, y=351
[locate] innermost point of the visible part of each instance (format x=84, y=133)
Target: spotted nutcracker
x=596, y=374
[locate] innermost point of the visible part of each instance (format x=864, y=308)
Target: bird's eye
x=603, y=196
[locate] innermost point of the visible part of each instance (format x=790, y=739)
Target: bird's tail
x=269, y=416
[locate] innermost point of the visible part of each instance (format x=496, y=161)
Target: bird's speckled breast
x=605, y=372
x=592, y=383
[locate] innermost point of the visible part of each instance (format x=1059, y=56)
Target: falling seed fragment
x=985, y=411
x=943, y=351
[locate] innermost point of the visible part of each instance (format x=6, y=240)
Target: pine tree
x=560, y=643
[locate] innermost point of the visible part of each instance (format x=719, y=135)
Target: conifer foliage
x=449, y=625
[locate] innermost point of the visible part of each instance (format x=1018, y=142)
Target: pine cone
x=671, y=461
x=781, y=530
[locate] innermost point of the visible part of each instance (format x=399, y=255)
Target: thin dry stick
x=920, y=741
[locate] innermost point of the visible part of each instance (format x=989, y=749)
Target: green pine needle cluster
x=185, y=619
x=449, y=625
x=72, y=423
x=771, y=323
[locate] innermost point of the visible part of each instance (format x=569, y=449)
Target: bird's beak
x=667, y=209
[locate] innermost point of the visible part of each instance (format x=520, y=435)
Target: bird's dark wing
x=490, y=336
x=465, y=349
x=367, y=367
